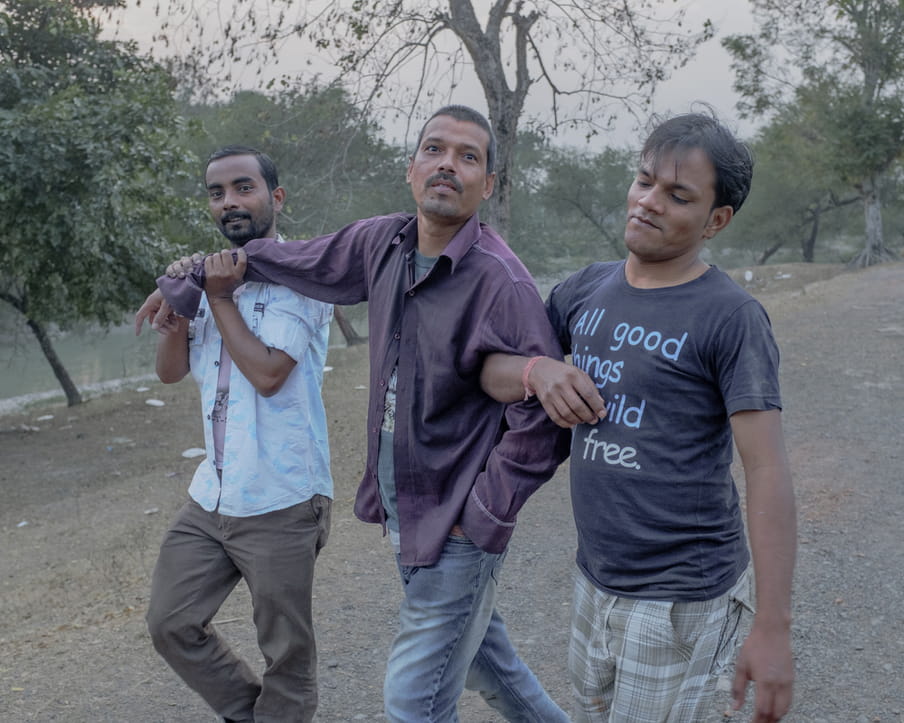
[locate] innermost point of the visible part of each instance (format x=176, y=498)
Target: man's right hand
x=567, y=393
x=159, y=314
x=180, y=268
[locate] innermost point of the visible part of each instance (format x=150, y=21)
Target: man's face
x=447, y=172
x=670, y=206
x=242, y=206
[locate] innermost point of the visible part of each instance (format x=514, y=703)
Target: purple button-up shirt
x=460, y=456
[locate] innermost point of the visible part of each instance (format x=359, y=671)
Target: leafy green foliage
x=841, y=62
x=91, y=161
x=568, y=206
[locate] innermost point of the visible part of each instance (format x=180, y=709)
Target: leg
x=591, y=664
x=192, y=578
x=643, y=661
x=714, y=630
x=276, y=553
x=451, y=635
x=442, y=621
x=507, y=684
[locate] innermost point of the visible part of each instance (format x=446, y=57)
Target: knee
x=166, y=628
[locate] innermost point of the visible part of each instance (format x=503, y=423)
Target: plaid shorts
x=639, y=661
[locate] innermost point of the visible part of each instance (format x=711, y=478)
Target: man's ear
x=489, y=185
x=279, y=198
x=408, y=170
x=718, y=219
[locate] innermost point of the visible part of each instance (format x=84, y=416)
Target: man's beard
x=254, y=228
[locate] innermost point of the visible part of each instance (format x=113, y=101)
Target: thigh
x=591, y=661
x=193, y=573
x=276, y=551
x=715, y=630
x=666, y=661
x=443, y=620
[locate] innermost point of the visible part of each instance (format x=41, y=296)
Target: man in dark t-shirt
x=686, y=362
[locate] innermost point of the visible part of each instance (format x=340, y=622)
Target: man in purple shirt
x=448, y=468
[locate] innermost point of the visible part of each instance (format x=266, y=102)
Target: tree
x=593, y=59
x=91, y=166
x=795, y=186
x=568, y=204
x=850, y=56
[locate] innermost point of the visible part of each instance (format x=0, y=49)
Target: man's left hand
x=223, y=275
x=765, y=659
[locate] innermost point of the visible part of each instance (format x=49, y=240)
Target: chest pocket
x=253, y=300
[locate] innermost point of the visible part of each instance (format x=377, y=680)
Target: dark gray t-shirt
x=656, y=508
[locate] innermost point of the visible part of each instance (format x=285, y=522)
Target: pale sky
x=706, y=78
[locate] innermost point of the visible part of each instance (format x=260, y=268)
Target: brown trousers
x=202, y=558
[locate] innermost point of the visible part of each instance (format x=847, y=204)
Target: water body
x=90, y=355
x=96, y=360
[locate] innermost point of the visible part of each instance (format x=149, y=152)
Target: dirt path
x=98, y=485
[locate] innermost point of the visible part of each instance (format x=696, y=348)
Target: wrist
x=224, y=297
x=529, y=391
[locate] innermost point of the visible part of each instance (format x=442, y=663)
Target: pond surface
x=90, y=355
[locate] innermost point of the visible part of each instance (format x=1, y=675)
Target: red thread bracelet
x=528, y=390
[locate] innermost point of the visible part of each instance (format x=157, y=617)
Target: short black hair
x=464, y=113
x=266, y=164
x=731, y=158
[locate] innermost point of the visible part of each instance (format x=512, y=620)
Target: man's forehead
x=441, y=126
x=234, y=168
x=674, y=163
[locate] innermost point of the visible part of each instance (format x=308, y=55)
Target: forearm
x=772, y=528
x=172, y=354
x=264, y=367
x=500, y=377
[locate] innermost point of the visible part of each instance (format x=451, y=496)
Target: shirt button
x=397, y=335
x=382, y=382
x=216, y=363
x=411, y=293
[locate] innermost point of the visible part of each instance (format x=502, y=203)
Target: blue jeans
x=451, y=637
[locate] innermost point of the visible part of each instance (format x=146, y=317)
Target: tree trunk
x=874, y=251
x=73, y=396
x=352, y=337
x=499, y=206
x=808, y=244
x=767, y=254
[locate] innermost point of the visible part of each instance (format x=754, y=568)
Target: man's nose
x=651, y=199
x=447, y=162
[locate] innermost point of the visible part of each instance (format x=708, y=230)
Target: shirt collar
x=459, y=245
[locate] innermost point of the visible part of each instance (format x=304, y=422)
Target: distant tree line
x=102, y=151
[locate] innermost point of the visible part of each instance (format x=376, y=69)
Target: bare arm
x=567, y=393
x=266, y=368
x=172, y=351
x=766, y=657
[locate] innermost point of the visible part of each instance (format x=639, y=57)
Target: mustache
x=234, y=216
x=447, y=177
